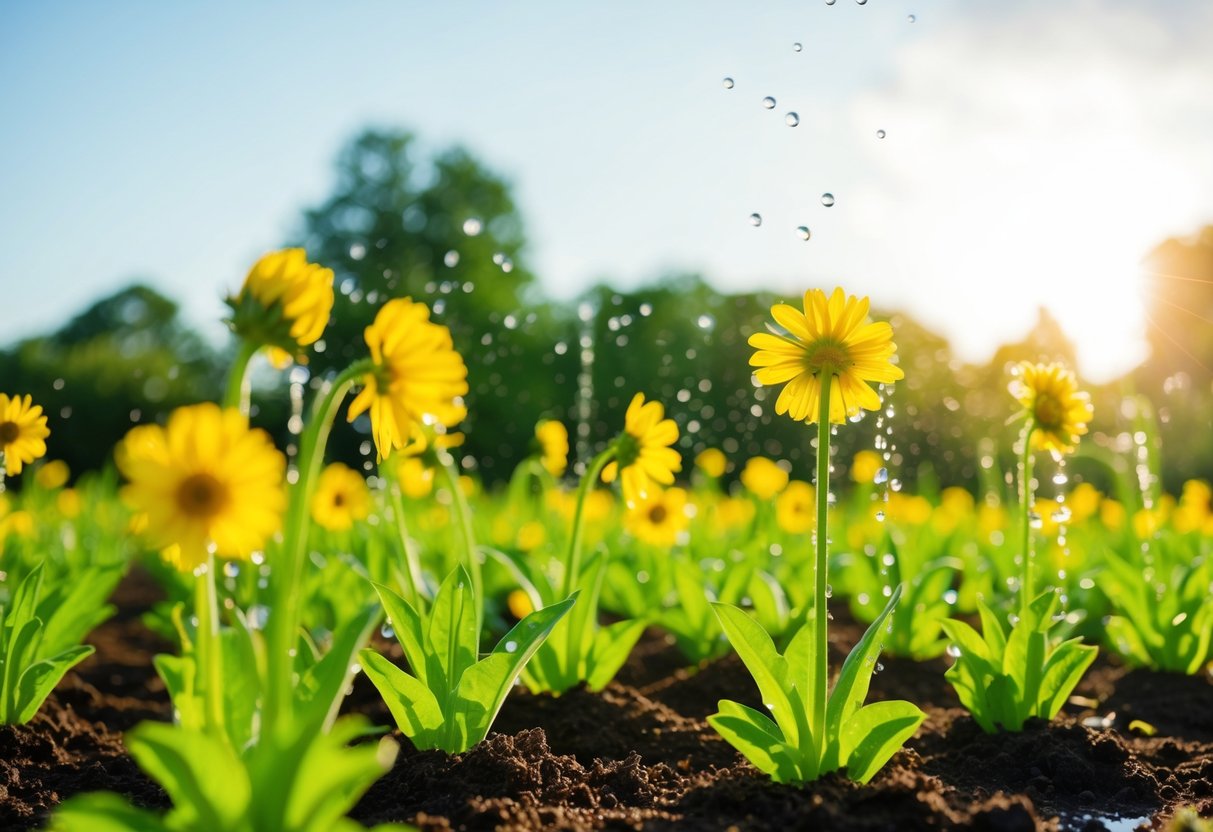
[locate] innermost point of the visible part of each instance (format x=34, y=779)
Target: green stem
x=463, y=523
x=235, y=395
x=286, y=574
x=572, y=560
x=820, y=575
x=209, y=649
x=1025, y=507
x=412, y=565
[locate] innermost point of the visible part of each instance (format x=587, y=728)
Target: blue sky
x=1034, y=150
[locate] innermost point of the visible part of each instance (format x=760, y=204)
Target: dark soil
x=639, y=755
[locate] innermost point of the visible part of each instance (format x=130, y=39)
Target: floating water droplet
x=880, y=516
x=727, y=83
x=755, y=219
x=802, y=231
x=1060, y=478
x=881, y=476
x=827, y=199
x=911, y=18
x=1062, y=515
x=862, y=2
x=451, y=259
x=796, y=47
x=830, y=2
x=880, y=134
x=791, y=119
x=472, y=226
x=1035, y=520
x=769, y=103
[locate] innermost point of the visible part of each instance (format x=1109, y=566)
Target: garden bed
x=641, y=755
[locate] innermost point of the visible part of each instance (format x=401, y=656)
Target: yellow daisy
x=832, y=336
x=418, y=376
x=23, y=432
x=205, y=482
x=795, y=510
x=553, y=440
x=52, y=474
x=284, y=304
x=643, y=452
x=712, y=462
x=763, y=478
x=1059, y=412
x=341, y=498
x=659, y=518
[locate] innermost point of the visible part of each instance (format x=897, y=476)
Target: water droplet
x=387, y=631
x=472, y=226
x=1060, y=478
x=862, y=2
x=880, y=134
x=451, y=260
x=802, y=231
x=769, y=103
x=954, y=651
x=1034, y=520
x=881, y=476
x=796, y=47
x=911, y=18
x=727, y=83
x=791, y=119
x=830, y=2
x=511, y=647
x=827, y=199
x=755, y=220
x=880, y=516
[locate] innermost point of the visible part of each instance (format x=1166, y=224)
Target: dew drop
x=802, y=231
x=881, y=477
x=755, y=220
x=911, y=18
x=862, y=2
x=827, y=199
x=451, y=259
x=472, y=226
x=769, y=103
x=880, y=134
x=727, y=83
x=791, y=119
x=796, y=47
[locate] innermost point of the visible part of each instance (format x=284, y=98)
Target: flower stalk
x=820, y=573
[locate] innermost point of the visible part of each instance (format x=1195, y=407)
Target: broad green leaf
x=323, y=687
x=22, y=648
x=332, y=775
x=407, y=625
x=874, y=733
x=1069, y=661
x=417, y=713
x=612, y=645
x=453, y=634
x=185, y=763
x=40, y=678
x=851, y=689
x=103, y=812
x=992, y=631
x=769, y=669
x=758, y=739
x=484, y=686
x=770, y=603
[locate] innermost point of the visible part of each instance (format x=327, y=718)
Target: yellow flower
x=284, y=304
x=1083, y=501
x=1059, y=413
x=763, y=478
x=1112, y=514
x=865, y=465
x=52, y=474
x=416, y=480
x=531, y=535
x=519, y=604
x=712, y=462
x=643, y=450
x=990, y=519
x=19, y=524
x=341, y=498
x=206, y=482
x=68, y=503
x=659, y=518
x=553, y=440
x=795, y=510
x=418, y=376
x=23, y=432
x=830, y=336
x=730, y=513
x=955, y=506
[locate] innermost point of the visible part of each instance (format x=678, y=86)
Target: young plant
x=815, y=731
x=1006, y=676
x=451, y=698
x=306, y=783
x=796, y=744
x=40, y=636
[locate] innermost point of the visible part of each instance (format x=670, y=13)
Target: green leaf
x=874, y=733
x=770, y=603
x=758, y=739
x=485, y=685
x=769, y=669
x=406, y=623
x=612, y=645
x=851, y=689
x=40, y=678
x=324, y=685
x=1062, y=674
x=103, y=812
x=417, y=712
x=454, y=637
x=185, y=763
x=992, y=630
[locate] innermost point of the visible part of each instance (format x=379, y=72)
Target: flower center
x=201, y=495
x=338, y=500
x=658, y=514
x=1048, y=412
x=827, y=357
x=9, y=432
